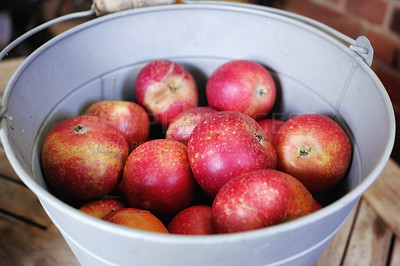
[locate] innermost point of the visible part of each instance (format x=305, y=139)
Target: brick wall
x=379, y=21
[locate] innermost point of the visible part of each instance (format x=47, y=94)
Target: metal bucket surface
x=314, y=71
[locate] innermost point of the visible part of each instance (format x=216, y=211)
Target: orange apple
x=138, y=219
x=101, y=208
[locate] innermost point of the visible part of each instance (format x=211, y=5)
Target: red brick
x=372, y=10
x=390, y=78
x=396, y=62
x=395, y=23
x=396, y=149
x=385, y=46
x=327, y=1
x=347, y=25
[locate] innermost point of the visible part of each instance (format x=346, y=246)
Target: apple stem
x=258, y=136
x=114, y=89
x=261, y=91
x=304, y=151
x=172, y=88
x=79, y=129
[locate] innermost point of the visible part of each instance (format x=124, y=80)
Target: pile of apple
x=220, y=168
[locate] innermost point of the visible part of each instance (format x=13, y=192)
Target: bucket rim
x=282, y=15
x=45, y=197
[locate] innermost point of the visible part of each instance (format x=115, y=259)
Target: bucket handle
x=360, y=46
x=43, y=26
x=99, y=7
x=35, y=30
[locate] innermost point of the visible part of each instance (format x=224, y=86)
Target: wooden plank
x=334, y=252
x=384, y=198
x=5, y=166
x=28, y=237
x=7, y=68
x=370, y=240
x=395, y=258
x=17, y=200
x=24, y=244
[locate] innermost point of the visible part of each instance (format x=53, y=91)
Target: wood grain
x=17, y=199
x=7, y=68
x=384, y=196
x=370, y=236
x=334, y=252
x=24, y=244
x=370, y=240
x=395, y=258
x=5, y=167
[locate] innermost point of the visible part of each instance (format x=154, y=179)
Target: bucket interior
x=314, y=73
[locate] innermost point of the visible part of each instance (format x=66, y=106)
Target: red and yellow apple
x=102, y=207
x=259, y=199
x=128, y=117
x=195, y=220
x=137, y=219
x=166, y=89
x=271, y=126
x=243, y=86
x=314, y=149
x=157, y=177
x=83, y=157
x=183, y=126
x=226, y=144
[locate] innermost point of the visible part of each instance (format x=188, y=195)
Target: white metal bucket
x=315, y=72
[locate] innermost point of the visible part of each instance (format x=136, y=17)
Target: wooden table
x=371, y=236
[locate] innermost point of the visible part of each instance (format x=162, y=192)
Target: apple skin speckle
x=314, y=149
x=243, y=86
x=84, y=165
x=226, y=144
x=259, y=199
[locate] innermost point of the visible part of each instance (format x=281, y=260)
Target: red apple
x=195, y=220
x=166, y=89
x=183, y=126
x=226, y=144
x=271, y=126
x=241, y=85
x=137, y=219
x=158, y=178
x=130, y=118
x=314, y=149
x=83, y=157
x=259, y=199
x=102, y=207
